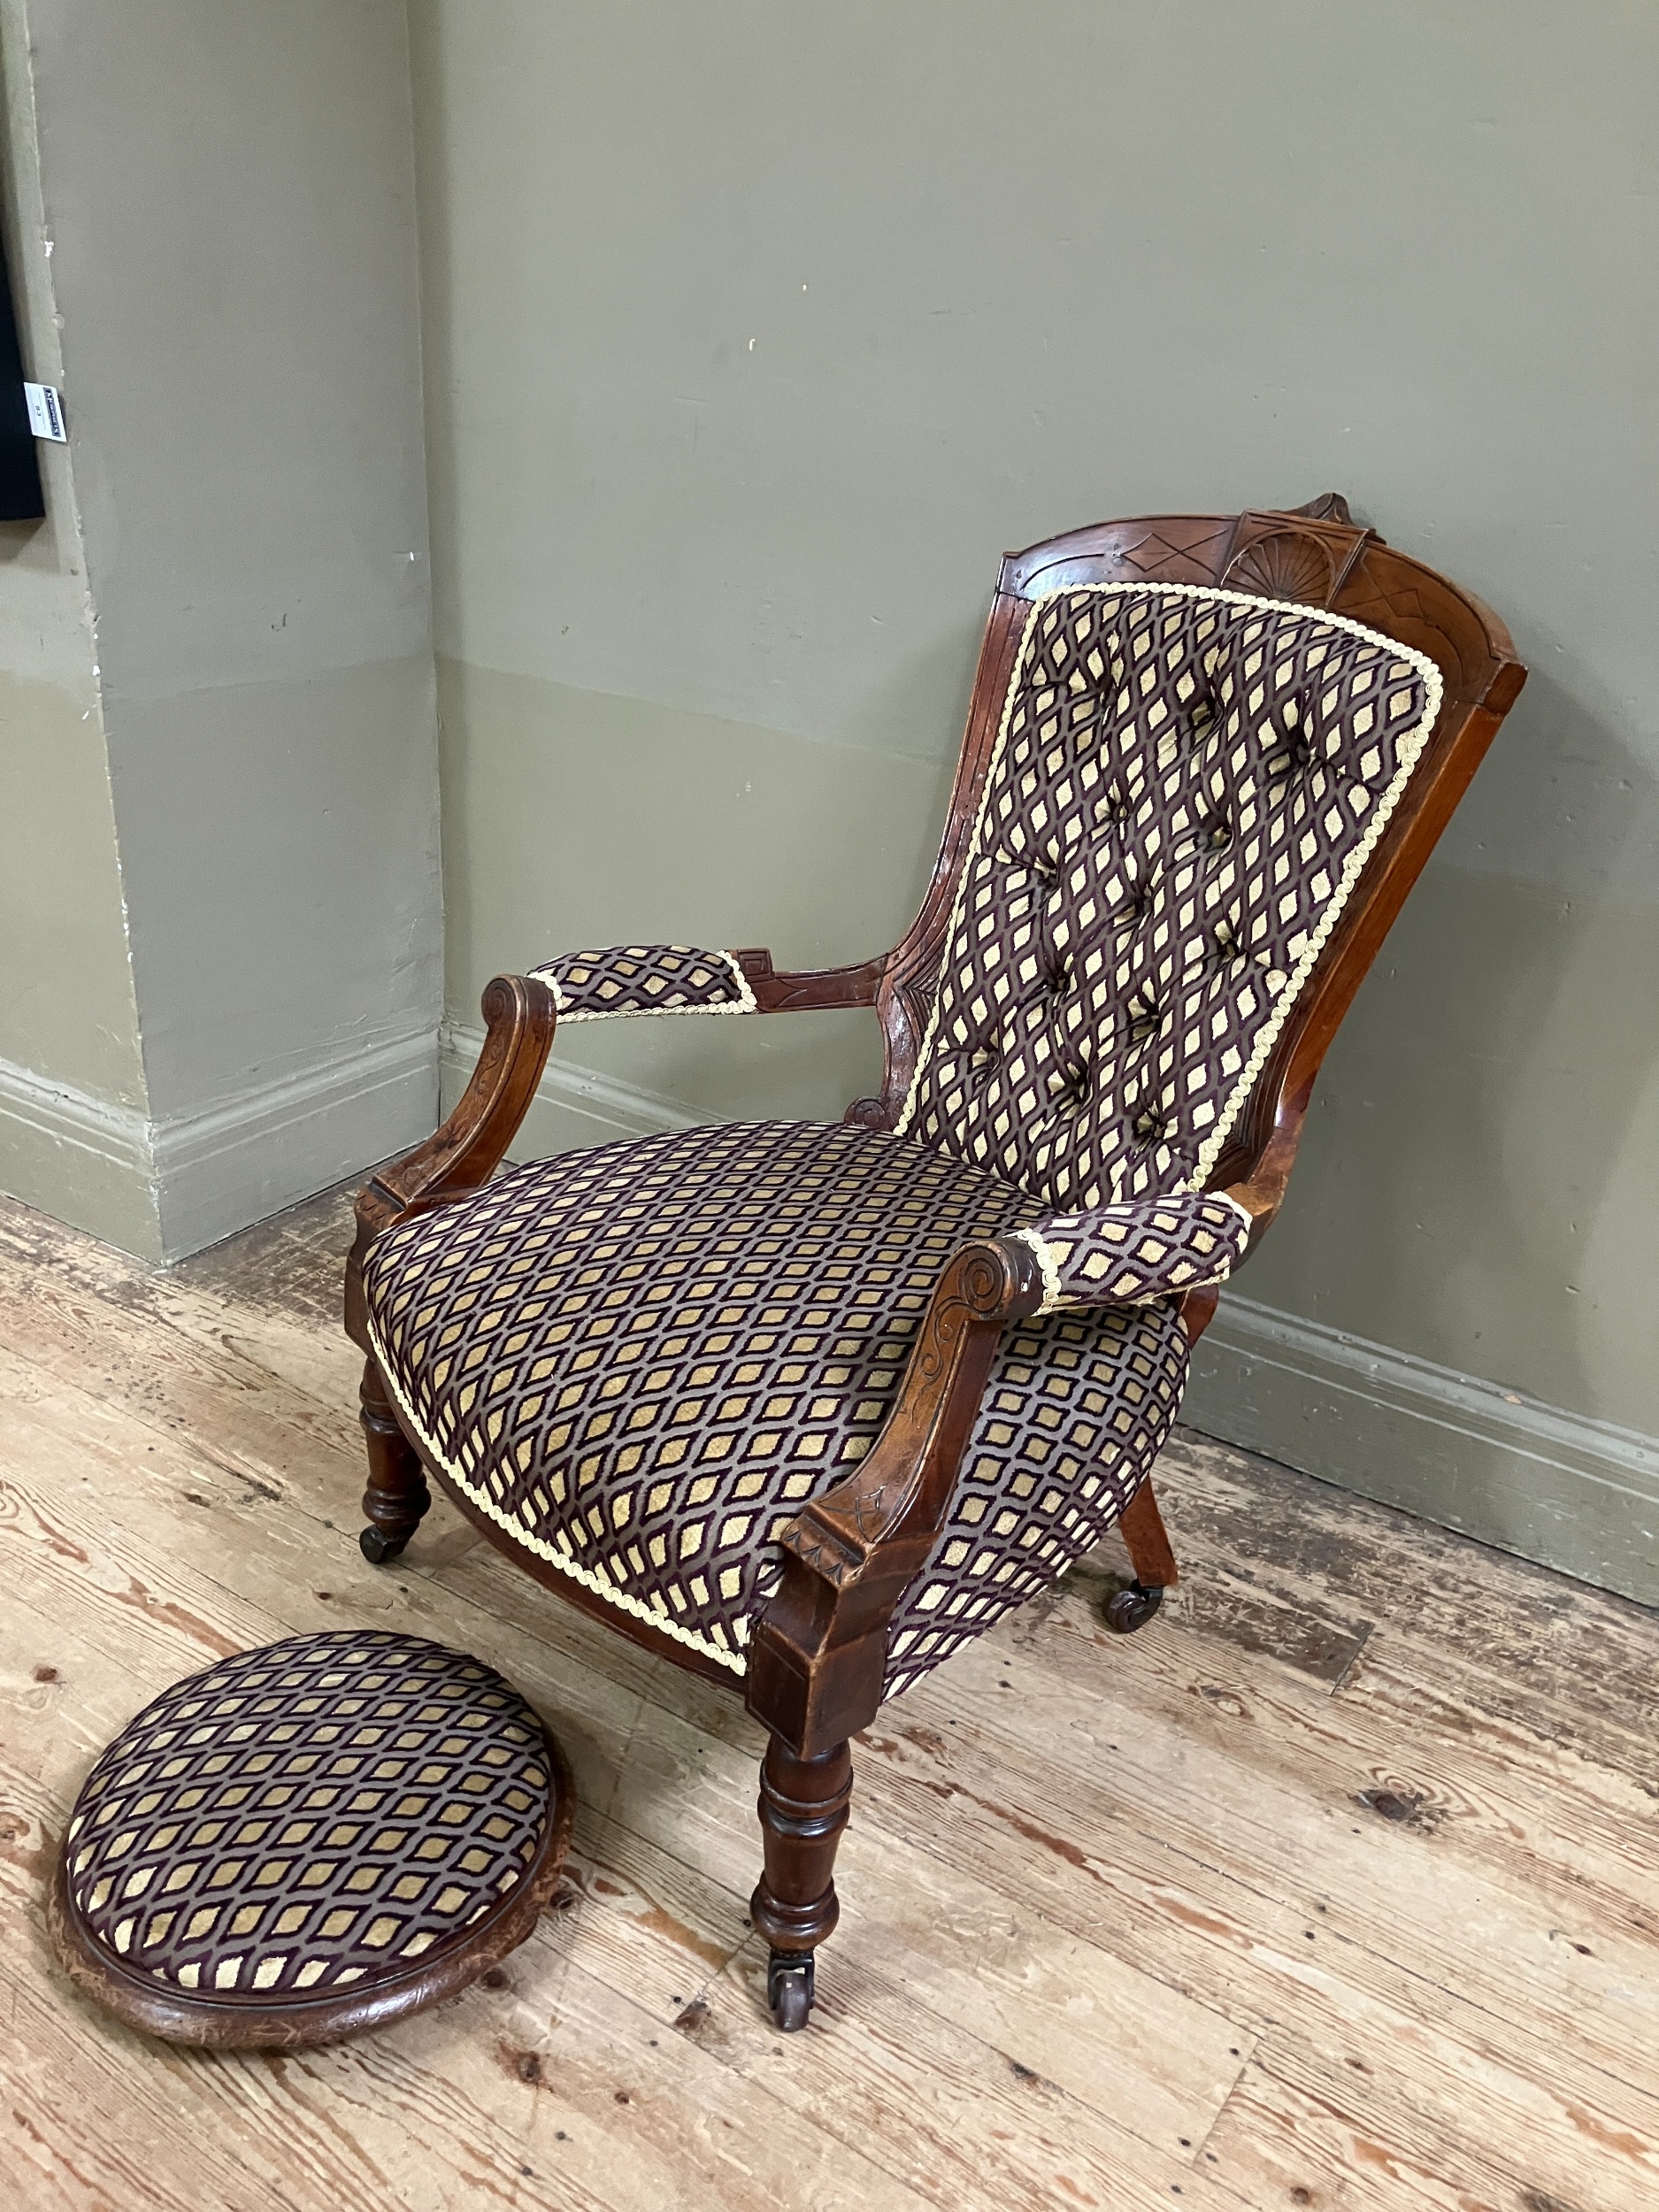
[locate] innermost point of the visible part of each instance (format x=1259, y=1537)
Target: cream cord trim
x=1411, y=746
x=1052, y=1293
x=745, y=1002
x=538, y=1545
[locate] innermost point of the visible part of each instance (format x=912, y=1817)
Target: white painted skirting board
x=276, y=1142
x=168, y=1188
x=59, y=1113
x=1575, y=1493
x=1553, y=1486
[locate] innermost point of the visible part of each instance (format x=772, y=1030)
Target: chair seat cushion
x=641, y=1361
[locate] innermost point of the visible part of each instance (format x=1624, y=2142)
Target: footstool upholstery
x=310, y=1839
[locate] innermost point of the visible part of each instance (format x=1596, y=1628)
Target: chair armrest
x=520, y=1013
x=519, y=1016
x=818, y=1659
x=804, y=989
x=1140, y=1250
x=629, y=979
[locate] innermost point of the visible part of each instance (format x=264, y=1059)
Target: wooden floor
x=1334, y=1887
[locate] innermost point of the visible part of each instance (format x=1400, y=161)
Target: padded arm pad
x=591, y=987
x=1142, y=1250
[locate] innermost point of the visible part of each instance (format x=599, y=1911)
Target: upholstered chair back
x=1186, y=784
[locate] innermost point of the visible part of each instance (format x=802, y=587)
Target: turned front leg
x=1143, y=1532
x=802, y=1811
x=397, y=1494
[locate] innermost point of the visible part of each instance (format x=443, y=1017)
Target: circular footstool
x=309, y=1839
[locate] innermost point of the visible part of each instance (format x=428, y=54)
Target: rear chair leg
x=1143, y=1530
x=397, y=1494
x=802, y=1811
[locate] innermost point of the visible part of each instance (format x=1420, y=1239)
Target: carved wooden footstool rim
x=248, y=2021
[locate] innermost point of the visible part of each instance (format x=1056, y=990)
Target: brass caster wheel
x=377, y=1548
x=789, y=1989
x=1129, y=1609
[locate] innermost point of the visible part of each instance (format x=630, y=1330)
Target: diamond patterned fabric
x=307, y=1815
x=1151, y=1248
x=589, y=987
x=641, y=1361
x=1186, y=784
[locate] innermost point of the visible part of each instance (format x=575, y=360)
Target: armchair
x=806, y=1407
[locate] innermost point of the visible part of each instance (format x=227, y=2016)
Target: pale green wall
x=231, y=192
x=68, y=1020
x=228, y=190
x=756, y=332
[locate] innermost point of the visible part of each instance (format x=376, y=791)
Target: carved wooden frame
x=816, y=1656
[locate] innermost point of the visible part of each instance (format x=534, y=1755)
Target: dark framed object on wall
x=20, y=497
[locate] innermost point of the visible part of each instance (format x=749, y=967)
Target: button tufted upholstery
x=1186, y=784
x=639, y=1362
x=319, y=1814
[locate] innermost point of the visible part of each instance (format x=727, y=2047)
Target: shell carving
x=1286, y=565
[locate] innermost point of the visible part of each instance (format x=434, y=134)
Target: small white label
x=46, y=412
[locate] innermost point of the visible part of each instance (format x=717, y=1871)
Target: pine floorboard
x=1337, y=1887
